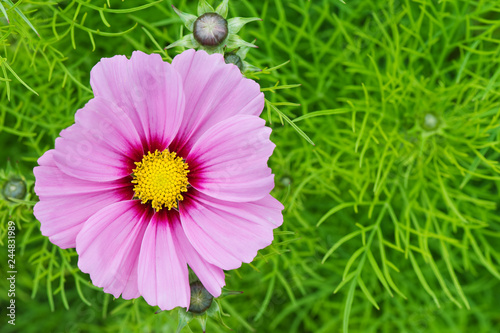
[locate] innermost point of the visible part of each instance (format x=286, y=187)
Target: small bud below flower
x=201, y=299
x=14, y=188
x=232, y=58
x=202, y=305
x=210, y=29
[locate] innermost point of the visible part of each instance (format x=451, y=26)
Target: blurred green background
x=392, y=219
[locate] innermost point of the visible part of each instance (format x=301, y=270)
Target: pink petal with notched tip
x=148, y=89
x=211, y=276
x=67, y=202
x=101, y=146
x=214, y=91
x=229, y=161
x=108, y=247
x=227, y=233
x=163, y=273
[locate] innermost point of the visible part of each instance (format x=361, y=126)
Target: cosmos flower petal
x=211, y=276
x=51, y=181
x=214, y=91
x=47, y=158
x=229, y=161
x=108, y=247
x=163, y=273
x=100, y=146
x=227, y=233
x=148, y=89
x=67, y=202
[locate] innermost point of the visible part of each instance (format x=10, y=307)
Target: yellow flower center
x=160, y=178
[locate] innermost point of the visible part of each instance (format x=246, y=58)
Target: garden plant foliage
x=387, y=125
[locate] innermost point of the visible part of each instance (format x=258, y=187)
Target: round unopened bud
x=14, y=188
x=286, y=181
x=210, y=29
x=430, y=121
x=201, y=299
x=231, y=58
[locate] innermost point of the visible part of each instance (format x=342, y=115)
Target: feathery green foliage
x=392, y=219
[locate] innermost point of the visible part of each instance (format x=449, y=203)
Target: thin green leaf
x=22, y=16
x=322, y=113
x=378, y=272
x=304, y=135
x=367, y=293
x=339, y=243
x=3, y=62
x=2, y=9
x=119, y=11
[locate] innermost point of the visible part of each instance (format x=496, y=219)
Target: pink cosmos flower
x=165, y=168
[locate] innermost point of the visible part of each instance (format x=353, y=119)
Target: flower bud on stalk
x=212, y=32
x=14, y=189
x=13, y=184
x=202, y=305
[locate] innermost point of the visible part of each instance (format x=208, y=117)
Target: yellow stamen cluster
x=160, y=178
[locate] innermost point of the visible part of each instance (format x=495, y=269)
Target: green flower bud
x=232, y=58
x=430, y=122
x=14, y=188
x=201, y=299
x=202, y=305
x=210, y=29
x=286, y=181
